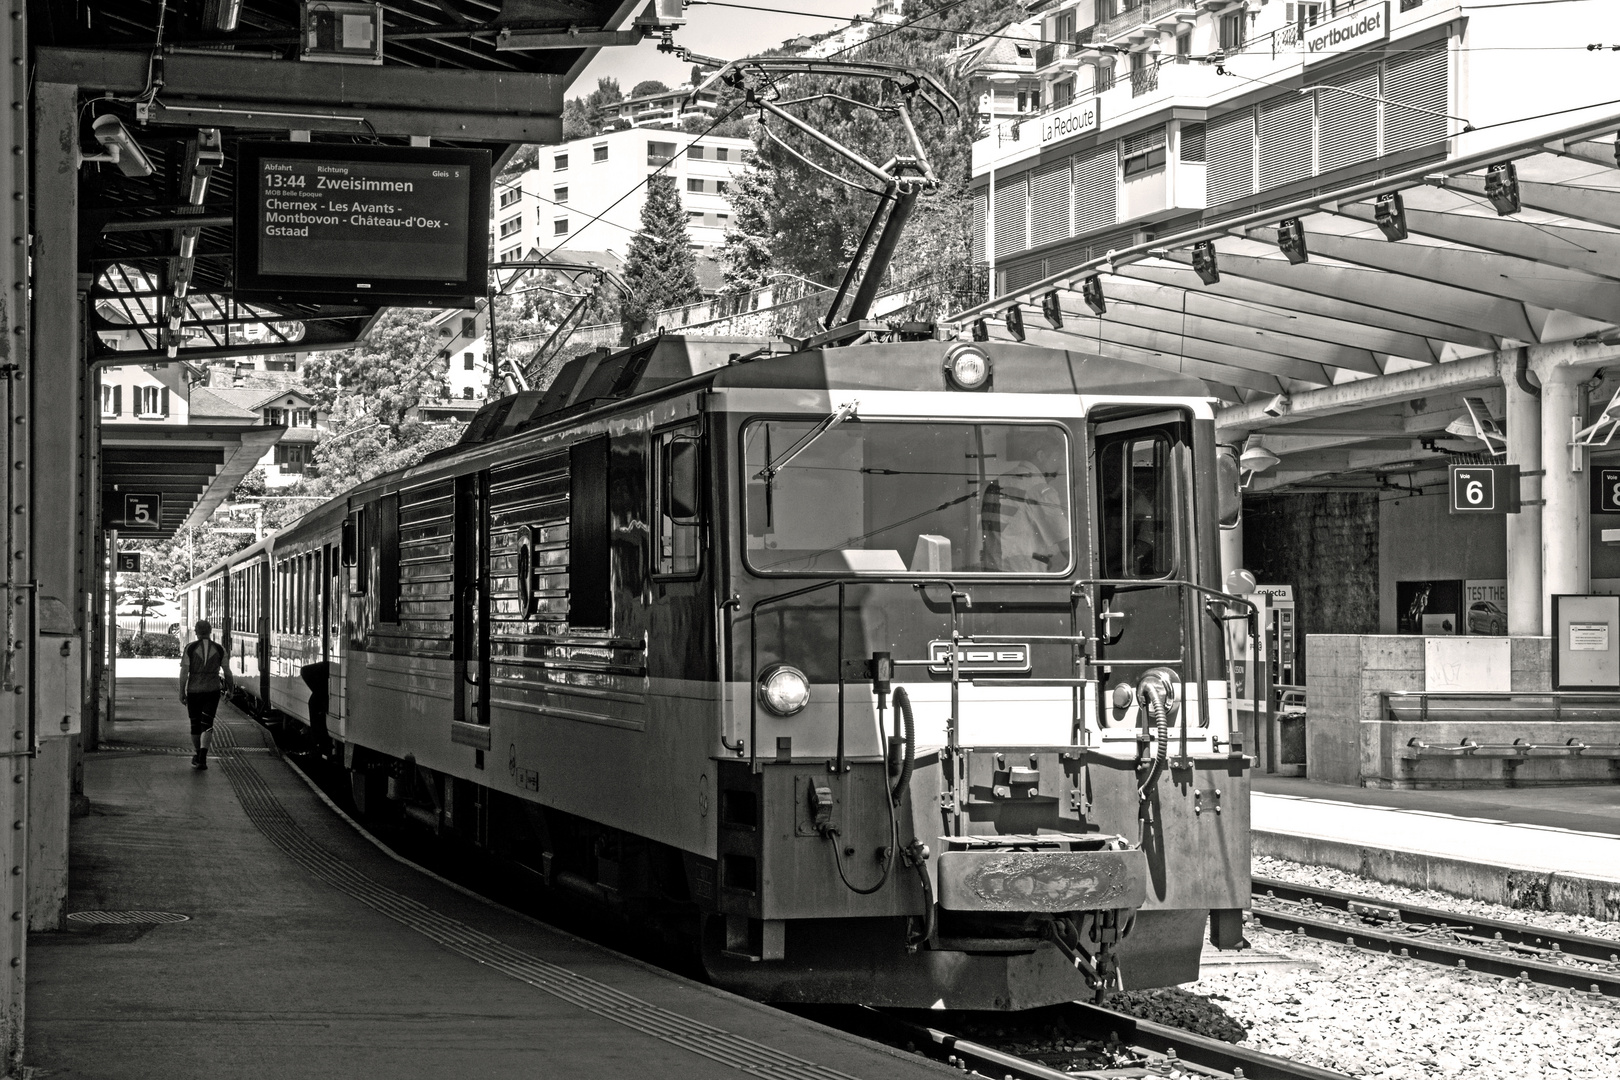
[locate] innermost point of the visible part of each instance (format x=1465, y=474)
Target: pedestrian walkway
x=1548, y=847
x=305, y=951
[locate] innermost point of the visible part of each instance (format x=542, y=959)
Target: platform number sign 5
x=1484, y=489
x=142, y=512
x=1606, y=491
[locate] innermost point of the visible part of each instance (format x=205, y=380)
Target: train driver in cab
x=1026, y=508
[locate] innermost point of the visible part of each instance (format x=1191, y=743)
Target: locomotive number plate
x=974, y=659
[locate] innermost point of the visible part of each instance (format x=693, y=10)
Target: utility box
x=341, y=33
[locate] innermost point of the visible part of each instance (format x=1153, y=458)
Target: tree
x=746, y=253
x=585, y=116
x=660, y=270
x=648, y=86
x=395, y=367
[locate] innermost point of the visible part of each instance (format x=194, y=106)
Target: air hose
x=1161, y=716
x=902, y=708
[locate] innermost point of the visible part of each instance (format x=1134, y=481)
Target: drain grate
x=127, y=917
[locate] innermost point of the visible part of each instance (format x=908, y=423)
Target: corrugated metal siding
x=1230, y=148
x=1012, y=227
x=532, y=493
x=1096, y=183
x=1417, y=78
x=1049, y=203
x=1347, y=125
x=1286, y=136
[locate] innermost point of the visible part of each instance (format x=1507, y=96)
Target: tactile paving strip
x=705, y=1040
x=127, y=917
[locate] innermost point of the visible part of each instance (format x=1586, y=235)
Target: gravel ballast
x=1380, y=1017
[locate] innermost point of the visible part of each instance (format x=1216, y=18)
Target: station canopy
x=189, y=84
x=1358, y=333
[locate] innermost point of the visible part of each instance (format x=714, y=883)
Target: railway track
x=1490, y=946
x=1119, y=1047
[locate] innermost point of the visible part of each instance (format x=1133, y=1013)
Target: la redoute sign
x=1361, y=26
x=1071, y=120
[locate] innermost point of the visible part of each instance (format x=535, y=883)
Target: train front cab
x=1035, y=573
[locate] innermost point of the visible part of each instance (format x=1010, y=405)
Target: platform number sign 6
x=142, y=512
x=1473, y=489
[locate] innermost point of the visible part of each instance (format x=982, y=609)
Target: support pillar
x=56, y=395
x=1524, y=528
x=1566, y=524
x=17, y=644
x=1231, y=551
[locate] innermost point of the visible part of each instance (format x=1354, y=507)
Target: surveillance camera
x=1277, y=406
x=122, y=149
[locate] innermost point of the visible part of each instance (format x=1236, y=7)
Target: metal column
x=16, y=649
x=57, y=533
x=1566, y=523
x=1524, y=528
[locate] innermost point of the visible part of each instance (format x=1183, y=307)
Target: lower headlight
x=784, y=690
x=967, y=368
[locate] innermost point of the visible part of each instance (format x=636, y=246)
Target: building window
x=723, y=219
x=292, y=457
x=510, y=196
x=694, y=184
x=1104, y=79
x=466, y=361
x=1309, y=14
x=1183, y=48
x=467, y=391
x=512, y=254
x=599, y=152
x=281, y=365
x=695, y=152
x=559, y=227
x=469, y=325
x=1142, y=153
x=1023, y=101
x=1062, y=93
x=695, y=216
x=559, y=195
x=1024, y=52
x=660, y=153
x=300, y=418
x=721, y=153
x=722, y=187
x=150, y=400
x=511, y=225
x=1234, y=27
x=559, y=162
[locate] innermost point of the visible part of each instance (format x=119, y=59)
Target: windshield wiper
x=844, y=412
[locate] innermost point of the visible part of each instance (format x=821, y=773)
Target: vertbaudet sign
x=1361, y=26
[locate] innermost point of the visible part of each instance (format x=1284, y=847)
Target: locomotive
x=891, y=665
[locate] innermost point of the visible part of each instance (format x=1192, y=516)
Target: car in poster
x=1485, y=617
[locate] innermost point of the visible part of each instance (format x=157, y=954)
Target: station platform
x=308, y=951
x=1551, y=847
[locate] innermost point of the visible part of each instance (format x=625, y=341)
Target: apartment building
x=568, y=201
x=1155, y=114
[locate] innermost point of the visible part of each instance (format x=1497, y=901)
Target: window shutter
x=1096, y=180
x=1012, y=229
x=163, y=410
x=1347, y=124
x=1416, y=78
x=981, y=203
x=1049, y=203
x=118, y=401
x=1286, y=134
x=1230, y=148
x=1192, y=143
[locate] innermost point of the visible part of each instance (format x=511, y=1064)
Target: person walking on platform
x=204, y=675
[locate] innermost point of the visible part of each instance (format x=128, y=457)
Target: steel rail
x=1489, y=946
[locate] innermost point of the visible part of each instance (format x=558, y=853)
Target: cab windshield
x=895, y=497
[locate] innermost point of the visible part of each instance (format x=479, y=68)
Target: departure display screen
x=345, y=224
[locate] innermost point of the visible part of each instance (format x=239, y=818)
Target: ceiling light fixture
x=1091, y=292
x=1291, y=240
x=1205, y=264
x=1502, y=188
x=1015, y=322
x=1389, y=210
x=1052, y=309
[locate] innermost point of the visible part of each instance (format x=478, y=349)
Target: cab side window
x=1136, y=487
x=677, y=494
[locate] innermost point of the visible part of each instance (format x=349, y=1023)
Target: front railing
x=1144, y=80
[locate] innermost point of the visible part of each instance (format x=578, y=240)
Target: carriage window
x=895, y=497
x=1134, y=479
x=388, y=561
x=679, y=492
x=590, y=536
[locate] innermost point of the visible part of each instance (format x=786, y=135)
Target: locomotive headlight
x=967, y=368
x=784, y=690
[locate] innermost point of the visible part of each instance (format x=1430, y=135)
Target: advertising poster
x=1485, y=607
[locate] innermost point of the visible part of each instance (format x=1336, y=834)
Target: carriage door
x=1138, y=466
x=472, y=599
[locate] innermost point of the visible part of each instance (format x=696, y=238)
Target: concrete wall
x=1348, y=740
x=1327, y=547
x=1420, y=540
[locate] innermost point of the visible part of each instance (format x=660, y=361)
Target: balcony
x=1148, y=19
